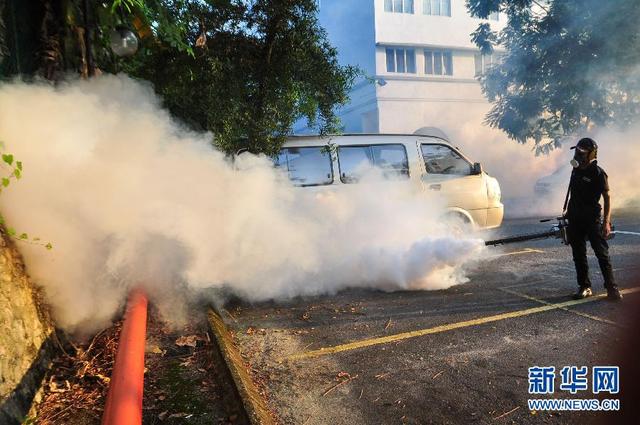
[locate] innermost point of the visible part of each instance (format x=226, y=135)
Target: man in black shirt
x=588, y=183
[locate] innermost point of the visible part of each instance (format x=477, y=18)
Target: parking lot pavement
x=459, y=355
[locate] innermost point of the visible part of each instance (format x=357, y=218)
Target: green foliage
x=244, y=70
x=569, y=65
x=129, y=5
x=259, y=66
x=15, y=173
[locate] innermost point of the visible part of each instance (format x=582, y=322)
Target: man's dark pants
x=578, y=232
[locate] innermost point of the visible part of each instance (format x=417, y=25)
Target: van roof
x=311, y=139
x=315, y=136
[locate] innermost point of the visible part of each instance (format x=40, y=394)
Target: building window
x=493, y=16
x=438, y=62
x=436, y=7
x=483, y=63
x=401, y=60
x=398, y=6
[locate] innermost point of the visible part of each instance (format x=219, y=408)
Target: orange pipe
x=124, y=401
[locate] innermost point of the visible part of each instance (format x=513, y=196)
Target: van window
x=354, y=160
x=441, y=159
x=306, y=166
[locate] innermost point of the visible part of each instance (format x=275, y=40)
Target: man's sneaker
x=614, y=294
x=583, y=293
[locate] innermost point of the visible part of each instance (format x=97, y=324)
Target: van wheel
x=458, y=224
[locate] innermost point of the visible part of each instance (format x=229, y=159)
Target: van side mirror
x=476, y=169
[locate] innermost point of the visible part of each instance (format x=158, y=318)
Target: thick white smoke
x=127, y=196
x=518, y=169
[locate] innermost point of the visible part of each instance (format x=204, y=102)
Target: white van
x=426, y=160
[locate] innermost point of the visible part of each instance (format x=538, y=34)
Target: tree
x=260, y=66
x=245, y=70
x=568, y=66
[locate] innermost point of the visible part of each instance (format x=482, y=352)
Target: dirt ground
x=183, y=378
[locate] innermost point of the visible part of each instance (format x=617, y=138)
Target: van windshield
x=310, y=166
x=441, y=159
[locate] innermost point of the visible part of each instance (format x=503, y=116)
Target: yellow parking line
x=531, y=283
x=444, y=328
x=538, y=300
x=524, y=251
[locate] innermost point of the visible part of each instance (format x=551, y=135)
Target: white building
x=419, y=56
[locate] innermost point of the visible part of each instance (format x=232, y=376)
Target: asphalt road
x=459, y=355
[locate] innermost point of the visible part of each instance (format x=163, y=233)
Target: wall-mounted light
x=381, y=82
x=123, y=41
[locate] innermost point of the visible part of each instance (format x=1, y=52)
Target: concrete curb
x=253, y=402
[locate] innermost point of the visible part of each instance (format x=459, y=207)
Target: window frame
x=451, y=148
x=405, y=60
x=441, y=8
x=308, y=147
x=404, y=3
x=444, y=56
x=486, y=62
x=493, y=16
x=404, y=148
x=481, y=59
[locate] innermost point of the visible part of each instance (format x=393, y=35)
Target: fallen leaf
x=190, y=341
x=344, y=375
x=187, y=362
x=178, y=415
x=155, y=350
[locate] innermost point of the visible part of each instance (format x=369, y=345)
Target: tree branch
x=541, y=6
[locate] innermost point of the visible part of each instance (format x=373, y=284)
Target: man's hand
x=606, y=229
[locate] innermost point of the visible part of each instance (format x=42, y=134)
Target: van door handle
x=435, y=187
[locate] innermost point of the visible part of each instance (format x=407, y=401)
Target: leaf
x=190, y=340
x=11, y=231
x=19, y=165
x=24, y=236
x=5, y=182
x=17, y=173
x=8, y=158
x=49, y=246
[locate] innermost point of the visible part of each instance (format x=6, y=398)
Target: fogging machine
x=558, y=230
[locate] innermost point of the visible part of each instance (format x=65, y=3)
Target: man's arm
x=606, y=225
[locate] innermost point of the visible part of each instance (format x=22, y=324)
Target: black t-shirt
x=587, y=186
